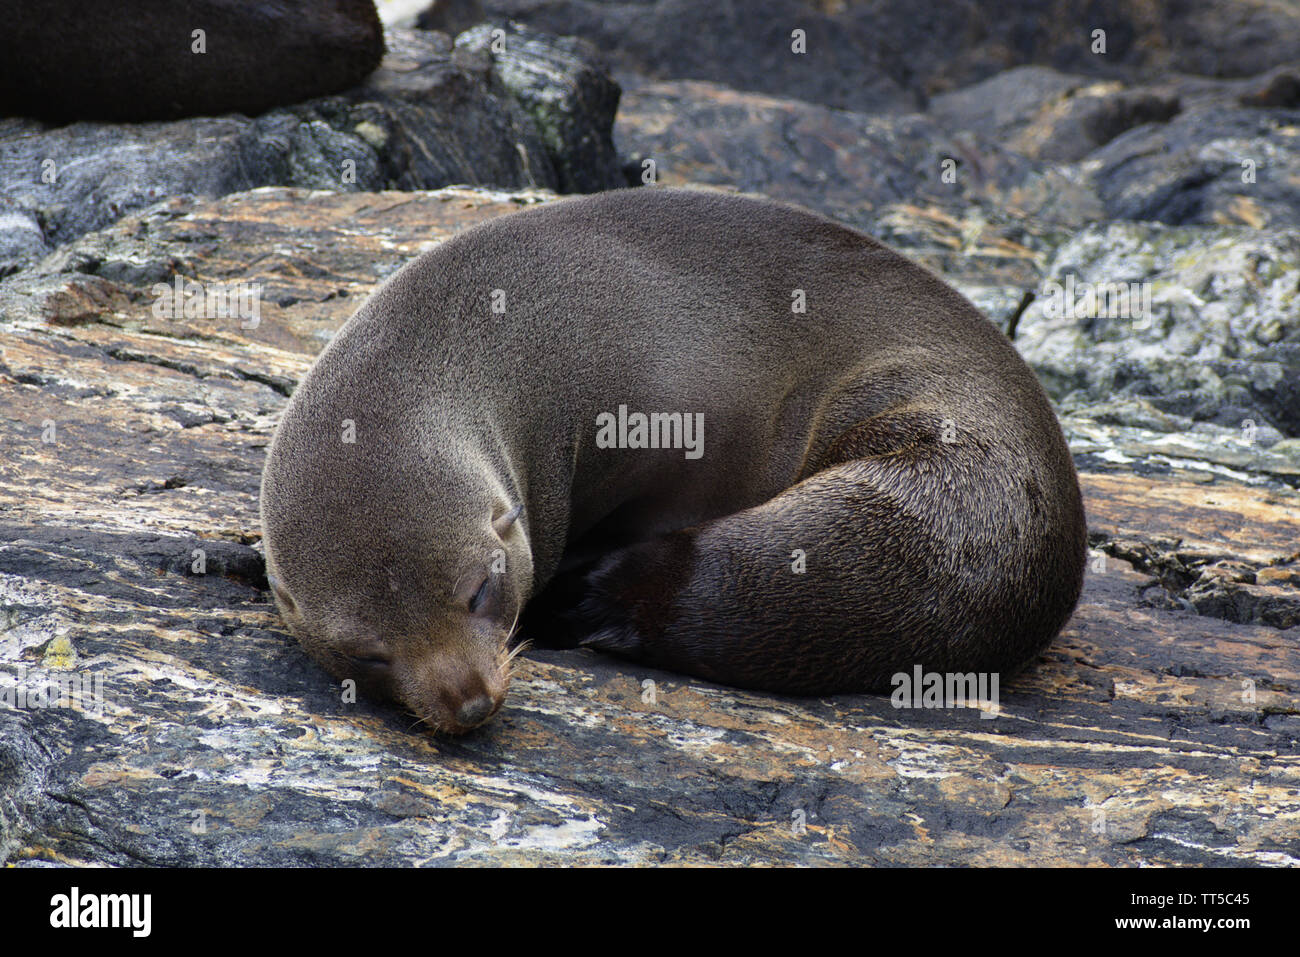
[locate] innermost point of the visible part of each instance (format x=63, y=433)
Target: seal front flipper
x=625, y=594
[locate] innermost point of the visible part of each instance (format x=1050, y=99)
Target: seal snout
x=455, y=695
x=475, y=711
x=470, y=709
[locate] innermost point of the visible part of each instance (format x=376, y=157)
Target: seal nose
x=475, y=711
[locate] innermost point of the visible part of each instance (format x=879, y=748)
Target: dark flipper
x=907, y=552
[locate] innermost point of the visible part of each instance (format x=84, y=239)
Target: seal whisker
x=434, y=726
x=507, y=666
x=506, y=655
x=514, y=626
x=459, y=578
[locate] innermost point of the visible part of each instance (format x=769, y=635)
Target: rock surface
x=849, y=165
x=901, y=177
x=1202, y=323
x=537, y=114
x=563, y=86
x=988, y=183
x=1161, y=728
x=1044, y=114
x=986, y=140
x=874, y=55
x=1046, y=150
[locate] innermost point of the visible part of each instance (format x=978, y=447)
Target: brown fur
x=824, y=431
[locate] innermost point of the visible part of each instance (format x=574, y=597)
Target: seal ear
x=280, y=592
x=502, y=523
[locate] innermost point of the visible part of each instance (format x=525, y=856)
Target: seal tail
x=901, y=550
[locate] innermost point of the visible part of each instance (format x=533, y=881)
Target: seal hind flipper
x=884, y=566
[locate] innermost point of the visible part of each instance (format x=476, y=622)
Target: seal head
x=414, y=594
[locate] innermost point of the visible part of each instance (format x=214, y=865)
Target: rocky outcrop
x=450, y=16
x=880, y=55
x=1042, y=114
x=565, y=90
x=1202, y=324
x=1043, y=149
x=1214, y=165
x=848, y=165
x=539, y=113
x=1179, y=151
x=1160, y=729
x=902, y=177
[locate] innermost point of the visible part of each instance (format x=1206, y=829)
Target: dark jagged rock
x=884, y=174
x=430, y=116
x=1280, y=89
x=1037, y=155
x=745, y=46
x=21, y=238
x=1043, y=114
x=450, y=16
x=1148, y=734
x=850, y=165
x=1004, y=104
x=140, y=60
x=1179, y=151
x=872, y=55
x=564, y=86
x=1211, y=165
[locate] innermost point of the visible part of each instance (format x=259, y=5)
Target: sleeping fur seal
x=880, y=481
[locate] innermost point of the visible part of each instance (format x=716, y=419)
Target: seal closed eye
x=714, y=433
